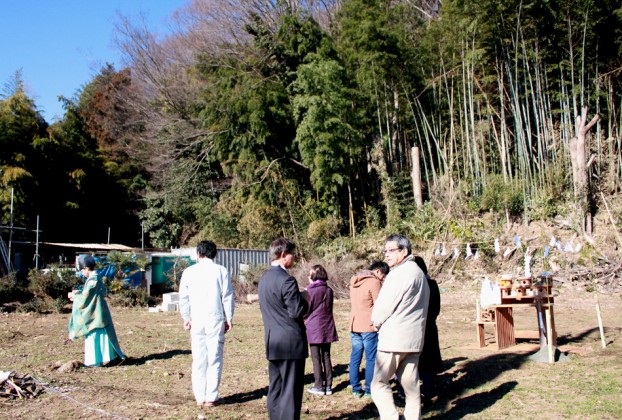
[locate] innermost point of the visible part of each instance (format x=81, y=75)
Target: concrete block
x=169, y=307
x=170, y=298
x=155, y=309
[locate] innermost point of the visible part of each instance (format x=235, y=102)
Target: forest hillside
x=336, y=122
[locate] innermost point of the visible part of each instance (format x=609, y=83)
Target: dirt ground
x=481, y=383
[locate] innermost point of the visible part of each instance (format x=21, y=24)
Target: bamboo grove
x=264, y=118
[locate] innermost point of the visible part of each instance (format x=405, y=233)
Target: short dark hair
x=278, y=246
x=207, y=249
x=421, y=264
x=86, y=261
x=318, y=273
x=401, y=241
x=379, y=265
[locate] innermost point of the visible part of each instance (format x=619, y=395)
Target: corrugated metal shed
x=231, y=258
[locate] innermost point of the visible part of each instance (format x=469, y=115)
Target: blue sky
x=60, y=45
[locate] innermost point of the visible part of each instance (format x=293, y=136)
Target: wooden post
x=416, y=176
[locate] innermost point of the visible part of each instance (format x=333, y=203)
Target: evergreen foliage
x=298, y=120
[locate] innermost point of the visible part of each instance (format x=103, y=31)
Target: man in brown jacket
x=364, y=289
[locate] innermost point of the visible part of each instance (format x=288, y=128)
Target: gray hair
x=401, y=241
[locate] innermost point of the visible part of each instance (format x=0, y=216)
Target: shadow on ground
x=135, y=361
x=451, y=385
x=243, y=397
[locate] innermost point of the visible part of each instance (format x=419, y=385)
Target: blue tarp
x=131, y=276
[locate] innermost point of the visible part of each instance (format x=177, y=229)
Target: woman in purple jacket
x=321, y=331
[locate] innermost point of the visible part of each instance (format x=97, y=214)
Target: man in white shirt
x=400, y=314
x=206, y=304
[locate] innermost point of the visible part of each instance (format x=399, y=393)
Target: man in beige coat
x=400, y=315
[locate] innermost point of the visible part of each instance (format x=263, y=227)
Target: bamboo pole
x=549, y=336
x=600, y=326
x=416, y=177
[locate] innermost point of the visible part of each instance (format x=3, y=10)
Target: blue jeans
x=362, y=342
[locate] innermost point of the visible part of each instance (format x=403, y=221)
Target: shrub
x=498, y=196
x=50, y=287
x=36, y=305
x=339, y=273
x=248, y=282
x=132, y=297
x=12, y=289
x=322, y=230
x=242, y=289
x=423, y=224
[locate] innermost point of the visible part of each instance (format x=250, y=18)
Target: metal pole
x=10, y=267
x=142, y=235
x=37, y=246
x=108, y=235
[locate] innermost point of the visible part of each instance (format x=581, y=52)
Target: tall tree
x=20, y=127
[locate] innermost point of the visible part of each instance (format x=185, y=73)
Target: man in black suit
x=282, y=307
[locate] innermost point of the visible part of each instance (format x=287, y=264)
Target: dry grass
x=477, y=383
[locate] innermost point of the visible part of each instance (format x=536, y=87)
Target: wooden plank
x=481, y=339
x=527, y=334
x=504, y=331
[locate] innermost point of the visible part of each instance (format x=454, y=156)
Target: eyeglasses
x=385, y=251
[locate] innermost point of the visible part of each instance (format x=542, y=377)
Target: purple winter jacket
x=319, y=318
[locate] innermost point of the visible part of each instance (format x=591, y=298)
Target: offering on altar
x=542, y=288
x=521, y=287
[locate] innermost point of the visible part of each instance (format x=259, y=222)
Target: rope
x=62, y=394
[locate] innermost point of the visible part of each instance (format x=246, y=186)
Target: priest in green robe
x=91, y=319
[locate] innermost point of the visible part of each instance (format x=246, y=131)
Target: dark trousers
x=285, y=390
x=322, y=365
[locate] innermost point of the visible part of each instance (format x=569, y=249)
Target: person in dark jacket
x=321, y=331
x=430, y=361
x=282, y=308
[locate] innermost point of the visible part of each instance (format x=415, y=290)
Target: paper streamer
x=568, y=247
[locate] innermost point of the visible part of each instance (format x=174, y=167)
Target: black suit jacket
x=282, y=308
